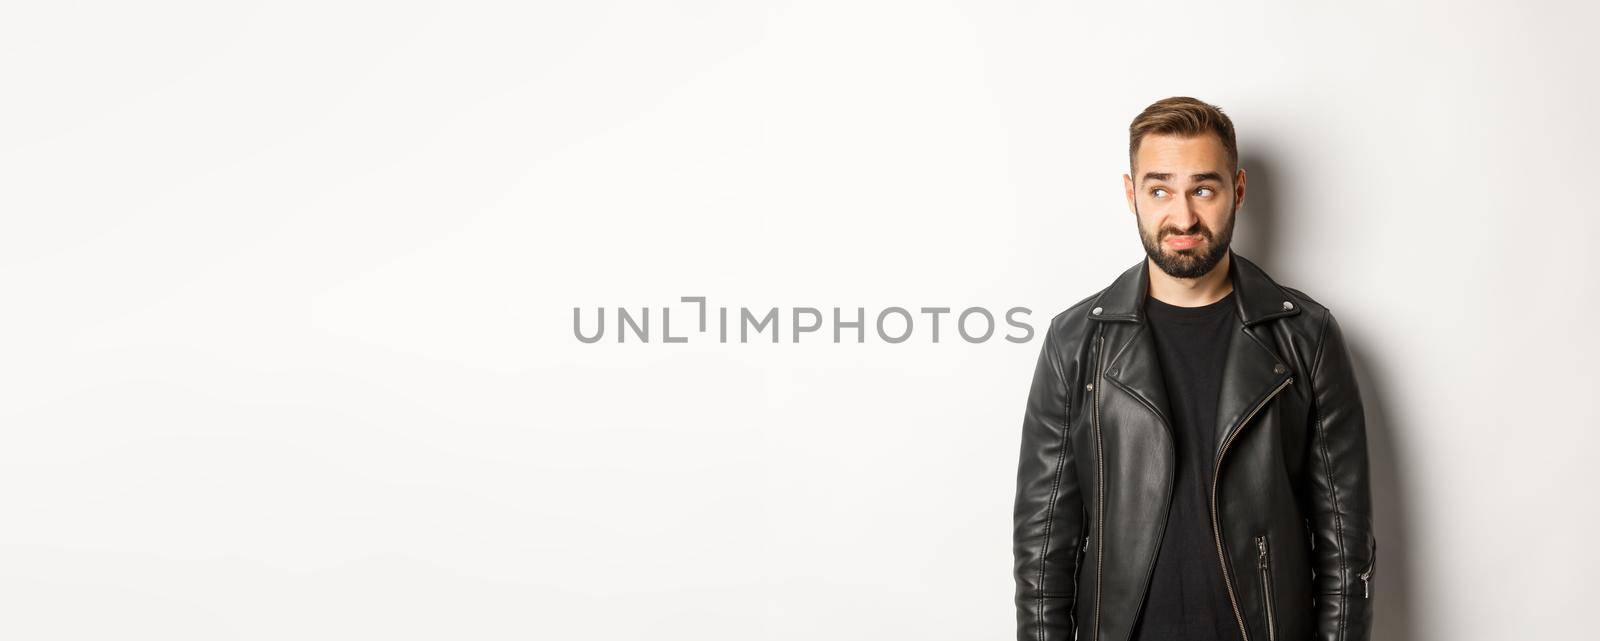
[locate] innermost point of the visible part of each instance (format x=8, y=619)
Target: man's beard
x=1193, y=262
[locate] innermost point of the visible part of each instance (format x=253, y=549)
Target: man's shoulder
x=1309, y=316
x=1304, y=300
x=1071, y=324
x=1313, y=313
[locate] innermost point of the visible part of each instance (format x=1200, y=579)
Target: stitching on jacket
x=1049, y=523
x=1338, y=522
x=1333, y=486
x=1055, y=487
x=1100, y=479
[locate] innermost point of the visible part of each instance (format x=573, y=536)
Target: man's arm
x=1339, y=505
x=1048, y=520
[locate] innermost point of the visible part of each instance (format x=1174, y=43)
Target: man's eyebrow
x=1156, y=175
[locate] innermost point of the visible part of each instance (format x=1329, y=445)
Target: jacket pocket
x=1264, y=564
x=1372, y=563
x=1083, y=550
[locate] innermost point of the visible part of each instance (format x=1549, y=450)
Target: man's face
x=1184, y=201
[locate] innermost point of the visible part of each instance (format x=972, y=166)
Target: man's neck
x=1191, y=292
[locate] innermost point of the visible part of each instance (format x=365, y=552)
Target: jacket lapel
x=1250, y=371
x=1133, y=363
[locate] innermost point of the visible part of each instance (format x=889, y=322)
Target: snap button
x=1095, y=310
x=1288, y=305
x=1279, y=369
x=1089, y=387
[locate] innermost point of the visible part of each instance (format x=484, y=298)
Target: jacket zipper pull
x=1261, y=553
x=1366, y=576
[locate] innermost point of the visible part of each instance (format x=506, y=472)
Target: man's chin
x=1185, y=263
x=1184, y=258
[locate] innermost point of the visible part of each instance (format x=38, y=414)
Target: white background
x=288, y=293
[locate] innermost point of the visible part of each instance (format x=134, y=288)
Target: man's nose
x=1184, y=215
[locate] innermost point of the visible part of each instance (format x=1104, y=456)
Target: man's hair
x=1183, y=116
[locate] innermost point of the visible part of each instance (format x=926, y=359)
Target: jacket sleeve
x=1048, y=524
x=1339, y=501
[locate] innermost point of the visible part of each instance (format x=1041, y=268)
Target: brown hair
x=1183, y=116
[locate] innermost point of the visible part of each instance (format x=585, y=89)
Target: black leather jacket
x=1291, y=509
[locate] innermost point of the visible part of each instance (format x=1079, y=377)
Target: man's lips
x=1184, y=242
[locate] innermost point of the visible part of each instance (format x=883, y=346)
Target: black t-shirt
x=1187, y=599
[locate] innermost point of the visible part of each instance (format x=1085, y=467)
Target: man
x=1194, y=459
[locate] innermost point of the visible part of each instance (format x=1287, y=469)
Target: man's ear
x=1127, y=190
x=1238, y=189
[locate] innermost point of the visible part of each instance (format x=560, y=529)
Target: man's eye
x=1206, y=190
x=1159, y=192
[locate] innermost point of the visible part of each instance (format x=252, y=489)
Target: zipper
x=1366, y=576
x=1216, y=528
x=1100, y=480
x=1077, y=565
x=1265, y=565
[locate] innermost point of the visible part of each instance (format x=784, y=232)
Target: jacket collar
x=1251, y=373
x=1258, y=298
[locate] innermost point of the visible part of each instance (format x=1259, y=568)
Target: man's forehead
x=1172, y=157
